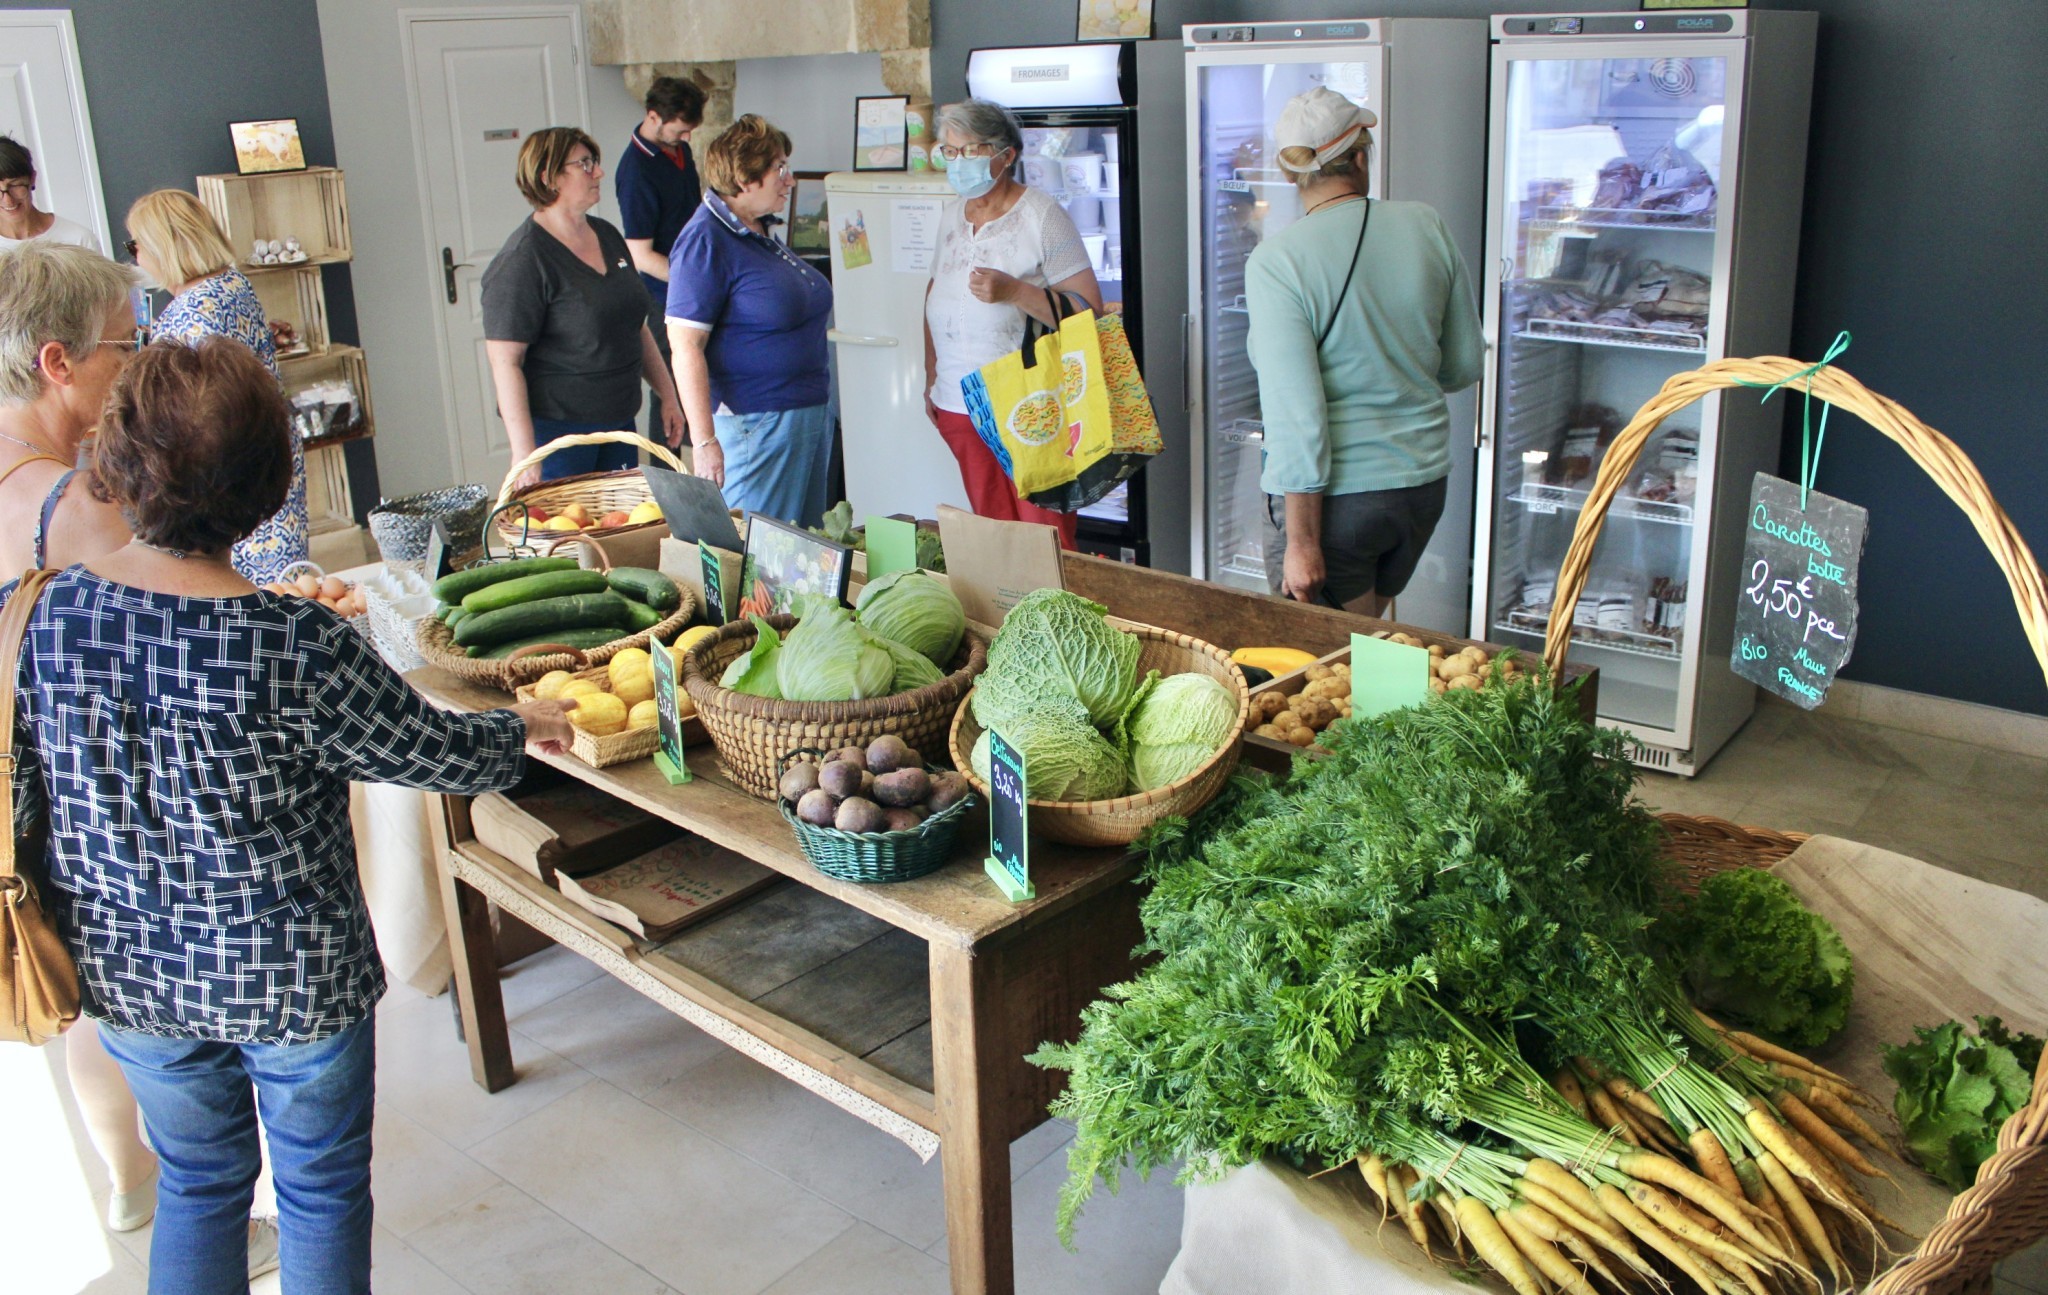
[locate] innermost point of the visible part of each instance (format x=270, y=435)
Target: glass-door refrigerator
x=1644, y=191
x=1425, y=78
x=1078, y=107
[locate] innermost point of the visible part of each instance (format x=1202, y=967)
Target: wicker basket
x=402, y=527
x=1123, y=820
x=598, y=492
x=437, y=641
x=753, y=733
x=359, y=623
x=2006, y=1209
x=626, y=744
x=875, y=858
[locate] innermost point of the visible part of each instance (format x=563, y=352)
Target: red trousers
x=989, y=488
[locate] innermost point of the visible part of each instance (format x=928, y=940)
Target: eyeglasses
x=134, y=248
x=133, y=342
x=587, y=165
x=19, y=188
x=952, y=154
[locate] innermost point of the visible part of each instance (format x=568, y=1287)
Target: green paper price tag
x=714, y=584
x=1009, y=846
x=669, y=759
x=1386, y=676
x=891, y=546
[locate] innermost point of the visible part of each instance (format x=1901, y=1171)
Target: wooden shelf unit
x=309, y=205
x=294, y=294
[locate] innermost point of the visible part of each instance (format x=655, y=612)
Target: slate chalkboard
x=1009, y=846
x=1795, y=618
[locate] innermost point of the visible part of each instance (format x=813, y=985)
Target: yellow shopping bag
x=1044, y=410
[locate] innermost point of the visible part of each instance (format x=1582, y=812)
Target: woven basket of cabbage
x=753, y=733
x=1121, y=820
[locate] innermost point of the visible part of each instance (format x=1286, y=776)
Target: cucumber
x=650, y=587
x=533, y=588
x=445, y=611
x=579, y=638
x=644, y=617
x=525, y=620
x=456, y=617
x=456, y=586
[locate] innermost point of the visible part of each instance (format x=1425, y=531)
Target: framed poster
x=1114, y=20
x=881, y=132
x=806, y=227
x=784, y=563
x=265, y=146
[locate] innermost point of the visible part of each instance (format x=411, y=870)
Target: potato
x=1315, y=713
x=1273, y=731
x=1467, y=682
x=1455, y=667
x=1405, y=640
x=1318, y=671
x=1438, y=686
x=1436, y=650
x=1329, y=689
x=1268, y=704
x=1302, y=737
x=1342, y=670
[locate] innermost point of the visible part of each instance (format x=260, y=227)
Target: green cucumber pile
x=498, y=609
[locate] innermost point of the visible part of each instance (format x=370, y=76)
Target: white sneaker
x=129, y=1210
x=262, y=1247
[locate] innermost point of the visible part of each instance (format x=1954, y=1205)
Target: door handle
x=449, y=265
x=858, y=339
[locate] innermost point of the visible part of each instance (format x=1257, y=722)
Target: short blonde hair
x=542, y=158
x=180, y=236
x=1339, y=167
x=742, y=154
x=52, y=292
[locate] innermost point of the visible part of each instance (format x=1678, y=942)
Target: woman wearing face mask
x=1000, y=247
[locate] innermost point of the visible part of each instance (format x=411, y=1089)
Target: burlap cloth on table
x=1930, y=946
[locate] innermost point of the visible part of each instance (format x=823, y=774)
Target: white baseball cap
x=1323, y=120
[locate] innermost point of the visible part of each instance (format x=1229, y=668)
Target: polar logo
x=1039, y=72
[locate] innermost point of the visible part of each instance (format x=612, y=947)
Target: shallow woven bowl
x=1123, y=820
x=402, y=527
x=437, y=645
x=753, y=733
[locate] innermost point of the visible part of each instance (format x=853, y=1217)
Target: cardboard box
x=565, y=827
x=666, y=889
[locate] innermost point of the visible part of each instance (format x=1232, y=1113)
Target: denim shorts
x=1372, y=540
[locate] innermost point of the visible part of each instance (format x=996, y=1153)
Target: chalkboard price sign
x=1009, y=863
x=714, y=584
x=668, y=717
x=1795, y=617
x=440, y=551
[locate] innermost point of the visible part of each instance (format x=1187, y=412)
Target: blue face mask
x=971, y=176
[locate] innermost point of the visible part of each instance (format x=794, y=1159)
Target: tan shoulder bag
x=38, y=979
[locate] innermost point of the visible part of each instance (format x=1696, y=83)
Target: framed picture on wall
x=808, y=229
x=881, y=132
x=1115, y=20
x=265, y=146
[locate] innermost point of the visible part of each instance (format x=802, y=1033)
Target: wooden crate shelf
x=309, y=205
x=294, y=294
x=337, y=362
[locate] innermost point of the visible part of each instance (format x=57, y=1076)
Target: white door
x=479, y=86
x=42, y=106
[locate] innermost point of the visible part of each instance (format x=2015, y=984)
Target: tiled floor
x=635, y=1156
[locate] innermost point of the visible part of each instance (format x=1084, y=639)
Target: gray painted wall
x=1924, y=190
x=161, y=103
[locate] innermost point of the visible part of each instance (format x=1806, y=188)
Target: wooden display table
x=912, y=1005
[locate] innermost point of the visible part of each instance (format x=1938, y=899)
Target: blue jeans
x=197, y=1100
x=580, y=459
x=775, y=463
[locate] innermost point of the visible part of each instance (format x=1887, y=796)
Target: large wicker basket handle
x=2005, y=1209
x=658, y=450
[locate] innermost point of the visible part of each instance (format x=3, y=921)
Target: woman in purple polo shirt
x=746, y=323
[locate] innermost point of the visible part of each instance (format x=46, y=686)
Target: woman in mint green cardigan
x=1362, y=319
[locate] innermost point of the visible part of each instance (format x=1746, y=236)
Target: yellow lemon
x=644, y=511
x=599, y=713
x=643, y=715
x=551, y=684
x=560, y=524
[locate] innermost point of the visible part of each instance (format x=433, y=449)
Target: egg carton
x=399, y=599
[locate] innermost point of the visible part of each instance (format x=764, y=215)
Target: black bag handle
x=1335, y=310
x=1033, y=330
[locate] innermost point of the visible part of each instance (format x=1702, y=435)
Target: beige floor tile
x=124, y=1276
x=865, y=1261
x=1123, y=1243
x=1038, y=1146
x=813, y=1143
x=533, y=982
x=1667, y=793
x=2022, y=777
x=506, y=1243
x=2028, y=1270
x=397, y=1269
x=423, y=1072
x=619, y=1035
x=417, y=1177
x=1837, y=766
x=1995, y=837
x=698, y=1216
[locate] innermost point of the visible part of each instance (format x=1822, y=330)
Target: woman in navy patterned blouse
x=190, y=741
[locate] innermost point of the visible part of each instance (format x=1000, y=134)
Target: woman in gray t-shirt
x=565, y=318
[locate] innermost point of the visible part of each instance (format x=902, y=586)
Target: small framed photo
x=784, y=562
x=1115, y=20
x=806, y=225
x=881, y=132
x=265, y=146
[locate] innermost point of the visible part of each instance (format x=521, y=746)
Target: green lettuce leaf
x=754, y=671
x=1754, y=954
x=1957, y=1090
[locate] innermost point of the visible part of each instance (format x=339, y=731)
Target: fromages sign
x=1795, y=618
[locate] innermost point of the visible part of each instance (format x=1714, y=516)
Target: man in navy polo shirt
x=658, y=193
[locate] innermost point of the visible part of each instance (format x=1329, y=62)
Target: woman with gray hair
x=1001, y=246
x=1355, y=340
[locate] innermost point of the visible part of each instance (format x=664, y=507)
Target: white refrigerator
x=1644, y=192
x=884, y=229
x=1426, y=80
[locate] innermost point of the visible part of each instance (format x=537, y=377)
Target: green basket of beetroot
x=872, y=813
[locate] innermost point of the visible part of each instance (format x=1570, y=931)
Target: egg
x=333, y=587
x=307, y=584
